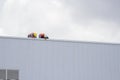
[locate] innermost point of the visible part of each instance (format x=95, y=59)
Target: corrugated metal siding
x=54, y=60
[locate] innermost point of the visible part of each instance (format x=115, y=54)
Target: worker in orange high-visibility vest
x=32, y=35
x=43, y=36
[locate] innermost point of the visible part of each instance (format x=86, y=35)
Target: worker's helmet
x=35, y=35
x=32, y=35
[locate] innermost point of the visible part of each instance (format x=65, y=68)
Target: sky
x=81, y=20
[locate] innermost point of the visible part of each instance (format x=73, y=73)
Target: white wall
x=60, y=60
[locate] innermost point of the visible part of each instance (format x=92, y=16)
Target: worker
x=32, y=35
x=43, y=36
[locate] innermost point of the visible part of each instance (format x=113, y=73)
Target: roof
x=56, y=40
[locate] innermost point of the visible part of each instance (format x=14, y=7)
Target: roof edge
x=58, y=40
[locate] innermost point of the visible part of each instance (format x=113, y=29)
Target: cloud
x=96, y=20
x=39, y=16
x=102, y=9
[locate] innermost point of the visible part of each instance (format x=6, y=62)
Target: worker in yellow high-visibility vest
x=32, y=35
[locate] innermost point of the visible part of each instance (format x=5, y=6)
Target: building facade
x=34, y=59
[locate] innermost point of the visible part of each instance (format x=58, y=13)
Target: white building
x=35, y=59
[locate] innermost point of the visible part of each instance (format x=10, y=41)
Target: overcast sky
x=86, y=20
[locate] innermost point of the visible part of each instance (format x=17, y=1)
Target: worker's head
x=41, y=35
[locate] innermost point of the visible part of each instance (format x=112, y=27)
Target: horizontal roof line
x=55, y=40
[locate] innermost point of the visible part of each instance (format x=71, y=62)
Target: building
x=35, y=59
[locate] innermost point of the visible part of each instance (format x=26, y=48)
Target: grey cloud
x=100, y=18
x=96, y=20
x=102, y=9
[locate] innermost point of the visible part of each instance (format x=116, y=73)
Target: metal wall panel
x=60, y=60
